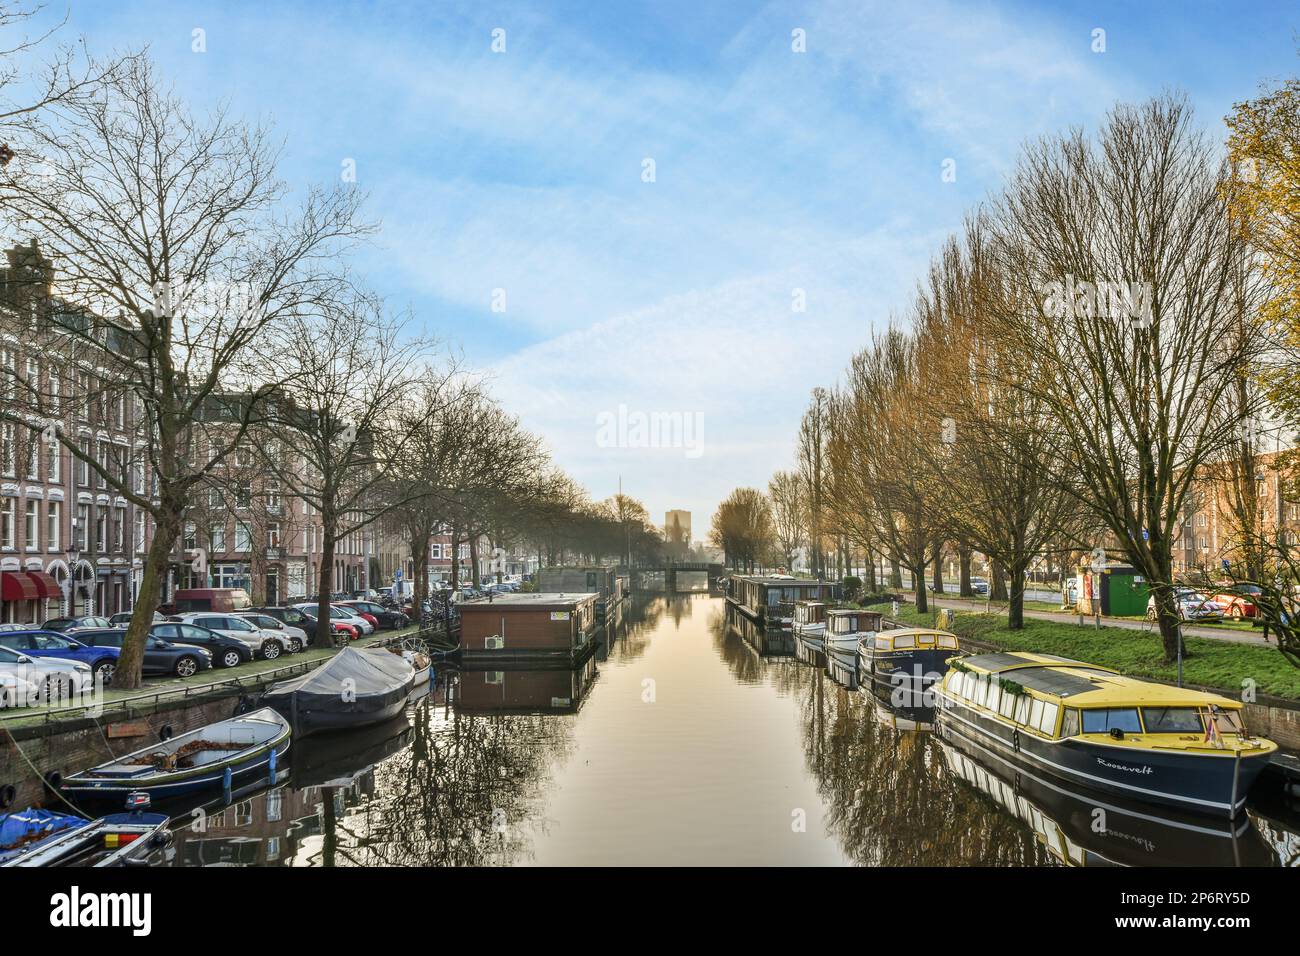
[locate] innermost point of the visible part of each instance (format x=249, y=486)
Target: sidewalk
x=1065, y=617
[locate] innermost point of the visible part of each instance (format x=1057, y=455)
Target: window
x=436, y=552
x=1007, y=706
x=55, y=469
x=52, y=524
x=8, y=450
x=101, y=529
x=217, y=535
x=244, y=494
x=1103, y=721
x=1172, y=720
x=103, y=464
x=139, y=531
x=1070, y=722
x=7, y=524
x=33, y=460
x=1047, y=723
x=1022, y=709
x=188, y=541
x=83, y=526
x=994, y=696
x=83, y=463
x=54, y=392
x=273, y=495
x=32, y=529
x=273, y=535
x=1035, y=713
x=243, y=537
x=8, y=373
x=119, y=530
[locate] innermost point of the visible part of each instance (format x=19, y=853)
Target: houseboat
x=809, y=622
x=607, y=584
x=845, y=627
x=770, y=600
x=1096, y=729
x=902, y=664
x=529, y=626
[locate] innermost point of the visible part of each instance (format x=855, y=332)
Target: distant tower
x=677, y=532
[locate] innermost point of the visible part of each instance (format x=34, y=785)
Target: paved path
x=1253, y=636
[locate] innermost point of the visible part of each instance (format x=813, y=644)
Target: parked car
x=296, y=636
x=1192, y=606
x=226, y=651
x=343, y=615
x=263, y=643
x=336, y=626
x=44, y=677
x=70, y=624
x=979, y=585
x=15, y=691
x=384, y=617
x=123, y=619
x=1238, y=601
x=102, y=661
x=292, y=617
x=160, y=656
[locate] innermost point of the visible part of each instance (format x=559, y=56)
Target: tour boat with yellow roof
x=902, y=664
x=1096, y=728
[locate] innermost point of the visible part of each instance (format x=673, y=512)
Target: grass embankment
x=1210, y=663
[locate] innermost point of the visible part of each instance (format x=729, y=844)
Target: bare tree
x=789, y=514
x=1123, y=256
x=174, y=258
x=335, y=424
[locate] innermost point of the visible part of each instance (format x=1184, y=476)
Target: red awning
x=46, y=586
x=16, y=586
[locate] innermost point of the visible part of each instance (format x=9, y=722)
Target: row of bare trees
x=1075, y=359
x=192, y=333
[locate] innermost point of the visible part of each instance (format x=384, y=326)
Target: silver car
x=263, y=643
x=296, y=636
x=35, y=679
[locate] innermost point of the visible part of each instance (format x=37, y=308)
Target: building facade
x=68, y=543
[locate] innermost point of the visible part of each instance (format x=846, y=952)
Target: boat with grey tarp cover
x=354, y=688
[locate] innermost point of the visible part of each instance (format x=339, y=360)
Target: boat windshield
x=1102, y=720
x=1173, y=720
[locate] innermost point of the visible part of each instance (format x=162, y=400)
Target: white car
x=344, y=614
x=297, y=636
x=264, y=643
x=27, y=679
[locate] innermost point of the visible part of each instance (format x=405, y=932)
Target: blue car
x=102, y=660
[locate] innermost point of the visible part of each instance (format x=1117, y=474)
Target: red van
x=221, y=600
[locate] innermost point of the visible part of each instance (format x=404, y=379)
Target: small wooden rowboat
x=204, y=759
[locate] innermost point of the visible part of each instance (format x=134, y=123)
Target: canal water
x=690, y=738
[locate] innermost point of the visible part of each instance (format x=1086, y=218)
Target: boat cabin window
x=1047, y=722
x=982, y=689
x=947, y=640
x=882, y=643
x=1098, y=720
x=1022, y=709
x=925, y=640
x=1172, y=720
x=994, y=696
x=1035, y=712
x=1070, y=722
x=1007, y=706
x=905, y=640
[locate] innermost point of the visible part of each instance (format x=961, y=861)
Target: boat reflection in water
x=809, y=651
x=765, y=641
x=1104, y=831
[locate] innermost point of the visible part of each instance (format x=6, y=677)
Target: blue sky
x=774, y=171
